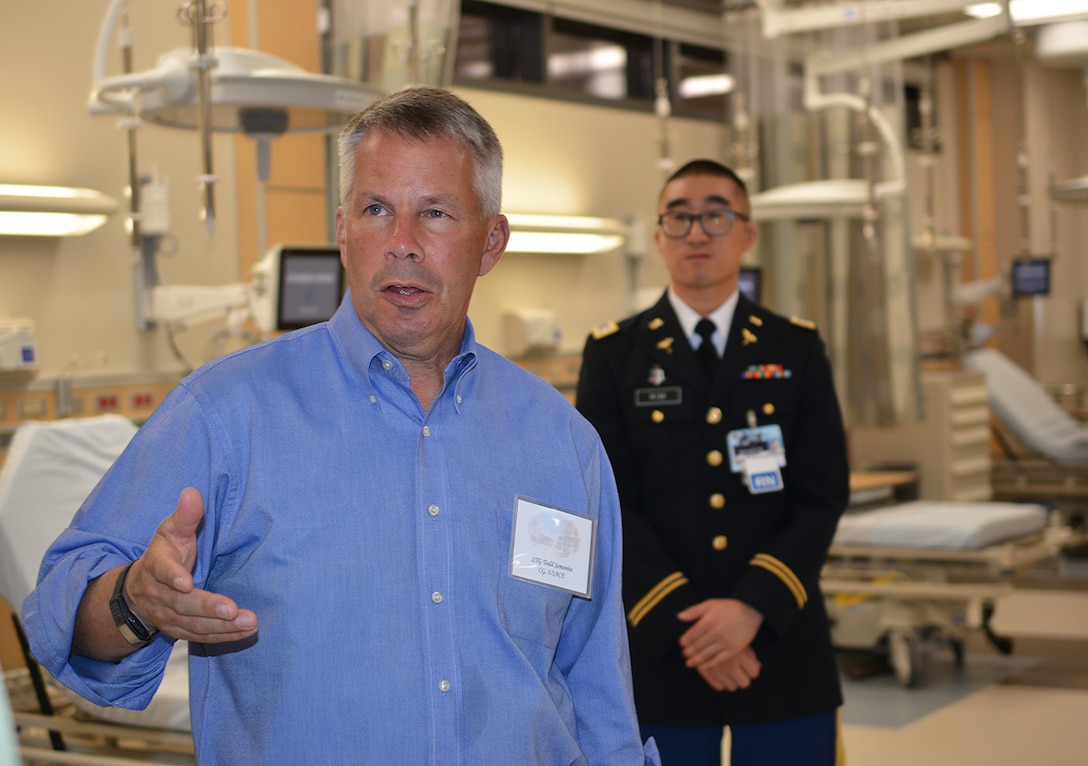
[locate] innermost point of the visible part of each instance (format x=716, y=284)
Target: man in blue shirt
x=393, y=546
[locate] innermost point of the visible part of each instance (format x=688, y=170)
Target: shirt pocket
x=532, y=612
x=529, y=611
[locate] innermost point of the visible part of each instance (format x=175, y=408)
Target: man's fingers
x=210, y=630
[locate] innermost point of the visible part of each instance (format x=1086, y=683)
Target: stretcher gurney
x=911, y=577
x=50, y=469
x=1044, y=449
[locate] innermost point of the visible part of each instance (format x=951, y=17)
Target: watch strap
x=135, y=631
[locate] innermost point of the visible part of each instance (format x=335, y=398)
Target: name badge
x=553, y=547
x=761, y=441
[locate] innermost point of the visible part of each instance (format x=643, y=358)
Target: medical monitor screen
x=1030, y=276
x=311, y=284
x=750, y=282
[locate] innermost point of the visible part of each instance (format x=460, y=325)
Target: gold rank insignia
x=656, y=323
x=755, y=320
x=665, y=345
x=808, y=324
x=748, y=335
x=604, y=330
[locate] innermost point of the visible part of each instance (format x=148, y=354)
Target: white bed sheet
x=941, y=524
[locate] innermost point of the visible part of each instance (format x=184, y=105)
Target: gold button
x=714, y=457
x=717, y=500
x=720, y=542
x=714, y=416
x=657, y=416
x=768, y=409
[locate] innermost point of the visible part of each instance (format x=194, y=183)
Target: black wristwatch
x=132, y=627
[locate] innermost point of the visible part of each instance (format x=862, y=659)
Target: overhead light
x=1026, y=12
x=706, y=85
x=564, y=234
x=52, y=211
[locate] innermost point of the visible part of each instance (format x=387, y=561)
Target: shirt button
x=432, y=509
x=373, y=399
x=444, y=686
x=436, y=597
x=717, y=501
x=387, y=364
x=768, y=409
x=720, y=542
x=657, y=416
x=714, y=416
x=459, y=400
x=714, y=458
x=426, y=430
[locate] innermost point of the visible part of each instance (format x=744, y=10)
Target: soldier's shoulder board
x=808, y=324
x=604, y=330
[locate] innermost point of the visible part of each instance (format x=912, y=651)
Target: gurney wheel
x=958, y=651
x=905, y=656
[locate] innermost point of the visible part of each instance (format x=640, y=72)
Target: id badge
x=762, y=474
x=760, y=441
x=553, y=547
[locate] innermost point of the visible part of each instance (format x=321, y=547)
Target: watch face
x=130, y=626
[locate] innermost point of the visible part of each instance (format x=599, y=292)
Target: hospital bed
x=1044, y=448
x=911, y=577
x=50, y=469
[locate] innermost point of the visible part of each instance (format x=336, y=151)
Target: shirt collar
x=722, y=317
x=363, y=351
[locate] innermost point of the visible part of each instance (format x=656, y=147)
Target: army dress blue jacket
x=693, y=530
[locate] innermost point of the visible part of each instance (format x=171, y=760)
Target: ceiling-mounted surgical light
x=818, y=200
x=1073, y=190
x=251, y=92
x=564, y=234
x=52, y=211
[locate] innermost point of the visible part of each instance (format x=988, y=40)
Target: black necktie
x=706, y=352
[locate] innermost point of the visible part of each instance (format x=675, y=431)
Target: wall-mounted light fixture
x=52, y=211
x=564, y=234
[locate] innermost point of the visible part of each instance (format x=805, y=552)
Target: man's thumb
x=189, y=513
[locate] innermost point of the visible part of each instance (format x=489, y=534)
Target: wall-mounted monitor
x=1030, y=276
x=299, y=285
x=750, y=282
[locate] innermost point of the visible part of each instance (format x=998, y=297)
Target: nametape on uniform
x=658, y=397
x=553, y=547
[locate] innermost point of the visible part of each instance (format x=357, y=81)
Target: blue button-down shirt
x=373, y=541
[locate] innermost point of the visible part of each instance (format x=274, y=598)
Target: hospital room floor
x=1030, y=707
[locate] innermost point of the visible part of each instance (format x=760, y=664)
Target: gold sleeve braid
x=783, y=573
x=655, y=597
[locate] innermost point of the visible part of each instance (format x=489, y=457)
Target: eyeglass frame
x=729, y=212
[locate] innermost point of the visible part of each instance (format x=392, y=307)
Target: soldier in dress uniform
x=730, y=457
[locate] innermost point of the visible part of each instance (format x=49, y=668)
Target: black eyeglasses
x=716, y=223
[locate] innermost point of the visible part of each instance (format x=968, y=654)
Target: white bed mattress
x=941, y=524
x=50, y=469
